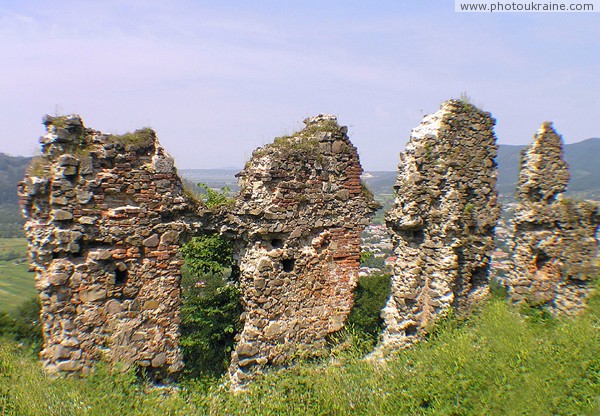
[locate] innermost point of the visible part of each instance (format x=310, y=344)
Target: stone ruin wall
x=106, y=216
x=301, y=211
x=104, y=226
x=442, y=222
x=555, y=244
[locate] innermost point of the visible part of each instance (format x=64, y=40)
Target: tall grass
x=499, y=362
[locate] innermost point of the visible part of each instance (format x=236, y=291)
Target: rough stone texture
x=442, y=222
x=104, y=229
x=555, y=246
x=106, y=216
x=299, y=216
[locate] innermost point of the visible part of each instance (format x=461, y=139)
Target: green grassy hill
x=16, y=282
x=502, y=361
x=12, y=170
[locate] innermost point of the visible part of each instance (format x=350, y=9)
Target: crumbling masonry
x=554, y=240
x=104, y=225
x=301, y=210
x=106, y=216
x=442, y=222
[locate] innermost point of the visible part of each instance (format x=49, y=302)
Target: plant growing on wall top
x=214, y=199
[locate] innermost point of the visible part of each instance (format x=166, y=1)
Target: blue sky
x=218, y=79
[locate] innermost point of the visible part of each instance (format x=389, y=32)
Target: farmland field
x=16, y=282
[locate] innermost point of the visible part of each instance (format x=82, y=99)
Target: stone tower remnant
x=555, y=248
x=102, y=222
x=442, y=222
x=300, y=214
x=106, y=216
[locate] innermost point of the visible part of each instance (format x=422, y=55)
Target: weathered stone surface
x=442, y=222
x=555, y=246
x=62, y=215
x=88, y=210
x=297, y=222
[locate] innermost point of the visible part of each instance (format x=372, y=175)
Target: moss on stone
x=39, y=167
x=138, y=138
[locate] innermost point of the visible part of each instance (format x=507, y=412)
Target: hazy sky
x=216, y=79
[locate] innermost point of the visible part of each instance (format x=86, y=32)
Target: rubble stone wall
x=442, y=222
x=104, y=226
x=555, y=245
x=300, y=214
x=107, y=215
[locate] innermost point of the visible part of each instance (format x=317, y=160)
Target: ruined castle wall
x=442, y=222
x=555, y=246
x=103, y=222
x=299, y=216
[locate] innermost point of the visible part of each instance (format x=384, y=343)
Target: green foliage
x=368, y=259
x=469, y=209
x=428, y=150
x=215, y=199
x=367, y=193
x=369, y=299
x=495, y=363
x=364, y=256
x=296, y=144
x=497, y=290
x=23, y=324
x=211, y=306
x=302, y=144
x=208, y=254
x=139, y=138
x=464, y=97
x=39, y=167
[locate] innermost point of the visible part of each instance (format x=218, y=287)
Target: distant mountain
x=12, y=170
x=584, y=164
x=583, y=159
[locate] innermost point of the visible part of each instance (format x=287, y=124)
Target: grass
x=140, y=137
x=499, y=362
x=16, y=282
x=38, y=167
x=301, y=143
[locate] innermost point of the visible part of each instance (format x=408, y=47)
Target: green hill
x=12, y=170
x=582, y=158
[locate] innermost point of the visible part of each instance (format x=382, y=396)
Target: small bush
x=215, y=199
x=369, y=299
x=23, y=324
x=211, y=307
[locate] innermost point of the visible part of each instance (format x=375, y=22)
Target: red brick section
x=300, y=212
x=104, y=240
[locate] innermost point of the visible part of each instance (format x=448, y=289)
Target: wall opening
x=121, y=275
x=211, y=306
x=287, y=265
x=541, y=259
x=411, y=330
